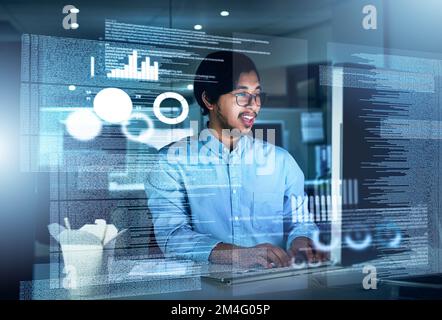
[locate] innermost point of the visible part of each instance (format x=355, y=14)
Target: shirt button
x=236, y=218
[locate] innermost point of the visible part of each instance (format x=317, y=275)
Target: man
x=226, y=197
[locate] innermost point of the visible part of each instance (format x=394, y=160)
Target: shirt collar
x=216, y=147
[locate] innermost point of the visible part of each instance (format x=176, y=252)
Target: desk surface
x=345, y=283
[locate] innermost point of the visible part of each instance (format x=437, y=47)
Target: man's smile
x=248, y=118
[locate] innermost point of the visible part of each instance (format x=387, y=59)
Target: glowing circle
x=113, y=105
x=361, y=245
x=224, y=13
x=389, y=235
x=395, y=242
x=72, y=87
x=314, y=264
x=197, y=27
x=171, y=95
x=190, y=87
x=143, y=137
x=296, y=265
x=83, y=125
x=323, y=247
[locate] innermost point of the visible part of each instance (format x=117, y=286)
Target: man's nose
x=253, y=105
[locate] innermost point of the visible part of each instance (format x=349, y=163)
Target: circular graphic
x=83, y=124
x=321, y=246
x=298, y=265
x=113, y=105
x=314, y=264
x=171, y=95
x=145, y=135
x=388, y=235
x=359, y=239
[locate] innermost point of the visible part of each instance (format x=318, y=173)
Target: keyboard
x=247, y=275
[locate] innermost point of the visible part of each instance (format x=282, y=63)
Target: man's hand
x=265, y=255
x=304, y=247
x=275, y=256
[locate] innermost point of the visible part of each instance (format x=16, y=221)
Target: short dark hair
x=218, y=74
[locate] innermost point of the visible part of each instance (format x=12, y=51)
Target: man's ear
x=208, y=105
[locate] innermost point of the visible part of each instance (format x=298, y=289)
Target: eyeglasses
x=244, y=99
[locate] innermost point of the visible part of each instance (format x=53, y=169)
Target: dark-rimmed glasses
x=244, y=99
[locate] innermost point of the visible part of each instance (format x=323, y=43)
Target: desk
x=337, y=284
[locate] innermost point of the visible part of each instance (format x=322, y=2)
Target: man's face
x=229, y=114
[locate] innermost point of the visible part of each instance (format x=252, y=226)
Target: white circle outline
x=314, y=264
x=301, y=265
x=143, y=137
x=397, y=238
x=361, y=245
x=171, y=95
x=323, y=247
x=395, y=242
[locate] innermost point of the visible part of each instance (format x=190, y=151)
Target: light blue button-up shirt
x=200, y=194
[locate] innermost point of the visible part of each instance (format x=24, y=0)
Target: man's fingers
x=296, y=246
x=298, y=250
x=309, y=254
x=272, y=257
x=305, y=247
x=324, y=256
x=320, y=255
x=291, y=252
x=263, y=262
x=275, y=255
x=282, y=255
x=249, y=259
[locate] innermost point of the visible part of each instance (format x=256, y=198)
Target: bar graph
x=131, y=70
x=92, y=67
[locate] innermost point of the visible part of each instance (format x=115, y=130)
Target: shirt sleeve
x=171, y=216
x=296, y=212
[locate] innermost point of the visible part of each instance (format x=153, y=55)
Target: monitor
x=385, y=153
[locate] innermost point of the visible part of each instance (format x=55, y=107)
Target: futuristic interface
x=196, y=150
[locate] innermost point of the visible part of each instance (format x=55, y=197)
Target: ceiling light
x=197, y=27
